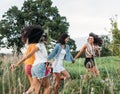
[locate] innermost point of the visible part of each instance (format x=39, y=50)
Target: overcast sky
x=84, y=16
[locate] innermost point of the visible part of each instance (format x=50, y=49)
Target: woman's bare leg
x=65, y=75
x=37, y=85
x=46, y=85
x=31, y=88
x=96, y=71
x=57, y=82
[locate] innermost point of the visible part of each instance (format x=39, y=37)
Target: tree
x=32, y=12
x=10, y=28
x=116, y=36
x=106, y=46
x=72, y=47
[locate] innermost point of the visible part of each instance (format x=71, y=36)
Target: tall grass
x=11, y=82
x=108, y=82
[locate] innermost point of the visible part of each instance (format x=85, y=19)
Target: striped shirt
x=90, y=50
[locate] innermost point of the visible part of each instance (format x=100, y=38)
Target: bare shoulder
x=85, y=45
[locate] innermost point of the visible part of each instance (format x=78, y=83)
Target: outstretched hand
x=12, y=67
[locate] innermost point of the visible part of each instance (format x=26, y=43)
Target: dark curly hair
x=97, y=40
x=33, y=33
x=24, y=33
x=62, y=38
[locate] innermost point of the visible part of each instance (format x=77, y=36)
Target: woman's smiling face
x=67, y=39
x=91, y=39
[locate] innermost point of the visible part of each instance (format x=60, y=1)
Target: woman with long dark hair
x=60, y=53
x=90, y=48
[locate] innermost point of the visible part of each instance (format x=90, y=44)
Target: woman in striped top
x=90, y=49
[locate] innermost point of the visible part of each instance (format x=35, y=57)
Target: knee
x=97, y=73
x=36, y=83
x=67, y=77
x=57, y=83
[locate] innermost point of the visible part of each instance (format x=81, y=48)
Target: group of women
x=36, y=58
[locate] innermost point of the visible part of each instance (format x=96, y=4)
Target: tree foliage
x=106, y=46
x=10, y=28
x=32, y=12
x=72, y=47
x=116, y=36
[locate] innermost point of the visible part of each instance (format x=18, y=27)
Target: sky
x=87, y=16
x=84, y=16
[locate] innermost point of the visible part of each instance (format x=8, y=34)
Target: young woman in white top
x=60, y=53
x=90, y=48
x=35, y=36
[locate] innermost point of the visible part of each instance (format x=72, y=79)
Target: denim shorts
x=38, y=71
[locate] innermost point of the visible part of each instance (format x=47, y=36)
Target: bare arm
x=81, y=51
x=24, y=58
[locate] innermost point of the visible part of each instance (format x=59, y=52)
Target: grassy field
x=107, y=83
